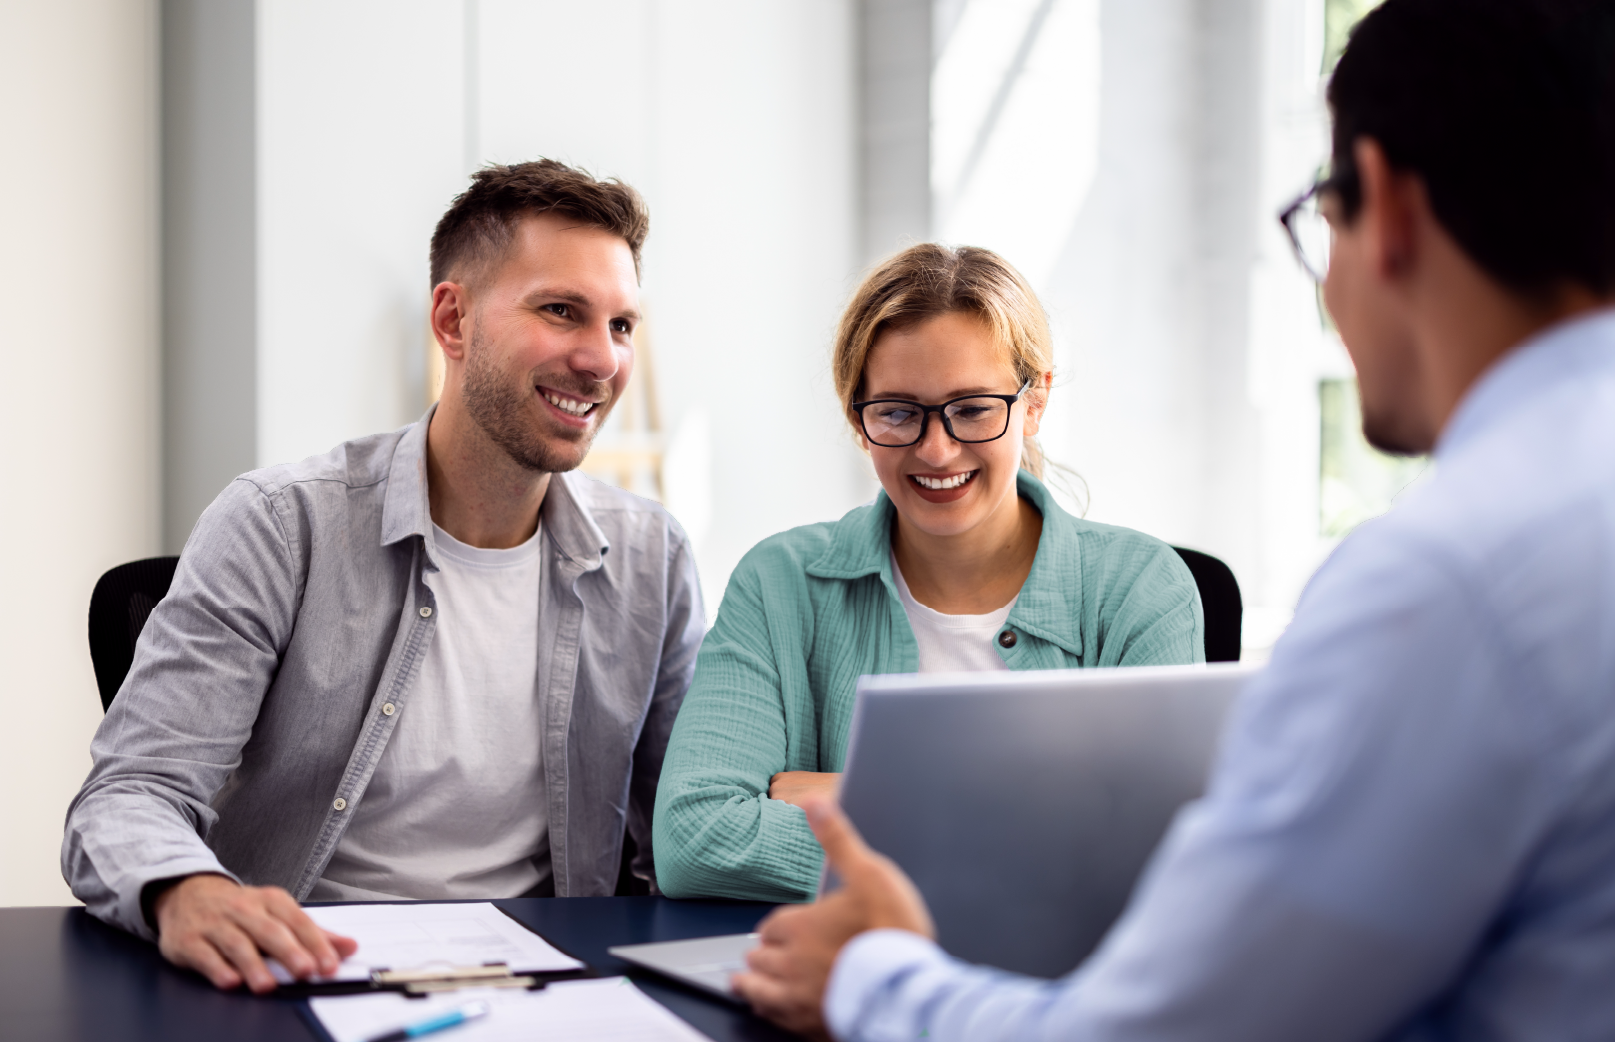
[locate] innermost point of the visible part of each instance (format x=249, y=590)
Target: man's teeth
x=938, y=484
x=571, y=405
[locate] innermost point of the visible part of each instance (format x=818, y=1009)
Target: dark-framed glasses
x=895, y=422
x=1311, y=236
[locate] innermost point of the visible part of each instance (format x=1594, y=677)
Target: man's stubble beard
x=500, y=407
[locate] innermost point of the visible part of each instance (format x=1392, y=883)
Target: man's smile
x=569, y=404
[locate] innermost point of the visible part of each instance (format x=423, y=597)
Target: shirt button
x=426, y=611
x=339, y=804
x=388, y=709
x=1006, y=639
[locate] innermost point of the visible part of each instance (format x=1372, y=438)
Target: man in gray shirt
x=428, y=664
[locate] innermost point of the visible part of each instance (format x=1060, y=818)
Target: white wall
x=1144, y=160
x=735, y=119
x=359, y=151
x=78, y=200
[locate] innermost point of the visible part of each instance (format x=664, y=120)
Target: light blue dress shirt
x=1410, y=832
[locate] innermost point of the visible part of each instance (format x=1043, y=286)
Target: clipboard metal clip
x=429, y=981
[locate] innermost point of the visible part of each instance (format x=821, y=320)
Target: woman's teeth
x=569, y=405
x=939, y=484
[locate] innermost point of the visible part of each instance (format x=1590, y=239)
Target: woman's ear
x=1037, y=399
x=858, y=430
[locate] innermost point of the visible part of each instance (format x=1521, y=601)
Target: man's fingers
x=769, y=960
x=780, y=923
x=197, y=954
x=275, y=938
x=756, y=989
x=781, y=1002
x=308, y=936
x=845, y=849
x=234, y=944
x=345, y=946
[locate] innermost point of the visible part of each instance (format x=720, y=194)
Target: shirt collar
x=1050, y=603
x=406, y=509
x=1571, y=350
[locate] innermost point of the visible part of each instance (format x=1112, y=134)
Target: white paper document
x=608, y=1010
x=421, y=935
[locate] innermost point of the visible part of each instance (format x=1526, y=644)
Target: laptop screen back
x=1025, y=805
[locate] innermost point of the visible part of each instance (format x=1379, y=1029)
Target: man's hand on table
x=223, y=930
x=790, y=969
x=798, y=787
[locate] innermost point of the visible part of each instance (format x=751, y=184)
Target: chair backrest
x=1219, y=599
x=119, y=607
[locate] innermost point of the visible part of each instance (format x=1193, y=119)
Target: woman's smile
x=942, y=488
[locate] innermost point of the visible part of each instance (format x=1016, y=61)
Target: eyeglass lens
x=1312, y=237
x=895, y=424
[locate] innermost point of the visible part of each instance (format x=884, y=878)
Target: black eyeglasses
x=1311, y=235
x=893, y=422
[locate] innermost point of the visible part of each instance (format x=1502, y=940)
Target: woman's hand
x=796, y=787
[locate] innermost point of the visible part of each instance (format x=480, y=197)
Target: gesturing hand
x=223, y=930
x=791, y=967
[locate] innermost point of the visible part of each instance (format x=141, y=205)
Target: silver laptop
x=1023, y=805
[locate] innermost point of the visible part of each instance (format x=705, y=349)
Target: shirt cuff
x=131, y=910
x=868, y=969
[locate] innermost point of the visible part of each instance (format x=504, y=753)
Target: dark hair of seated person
x=1506, y=109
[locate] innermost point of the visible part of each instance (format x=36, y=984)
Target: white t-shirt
x=953, y=643
x=456, y=806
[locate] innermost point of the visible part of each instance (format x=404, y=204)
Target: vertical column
x=895, y=164
x=78, y=433
x=1226, y=147
x=210, y=294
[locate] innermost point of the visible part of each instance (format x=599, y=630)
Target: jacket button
x=388, y=709
x=426, y=611
x=1006, y=639
x=339, y=804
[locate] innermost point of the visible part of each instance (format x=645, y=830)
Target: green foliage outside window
x=1355, y=480
x=1338, y=18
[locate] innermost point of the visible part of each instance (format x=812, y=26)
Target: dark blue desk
x=65, y=977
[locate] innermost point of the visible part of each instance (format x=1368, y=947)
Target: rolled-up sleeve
x=717, y=832
x=186, y=709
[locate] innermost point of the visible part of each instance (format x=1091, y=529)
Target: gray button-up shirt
x=266, y=684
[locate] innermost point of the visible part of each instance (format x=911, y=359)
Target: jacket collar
x=1050, y=604
x=406, y=510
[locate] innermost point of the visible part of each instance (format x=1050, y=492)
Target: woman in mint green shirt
x=964, y=561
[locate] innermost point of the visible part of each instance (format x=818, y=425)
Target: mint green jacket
x=809, y=611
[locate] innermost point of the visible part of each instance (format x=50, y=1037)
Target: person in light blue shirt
x=1410, y=830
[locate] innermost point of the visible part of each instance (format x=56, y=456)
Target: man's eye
x=559, y=310
x=620, y=326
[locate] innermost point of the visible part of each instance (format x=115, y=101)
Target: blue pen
x=469, y=1011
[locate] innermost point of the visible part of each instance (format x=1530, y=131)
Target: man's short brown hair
x=481, y=222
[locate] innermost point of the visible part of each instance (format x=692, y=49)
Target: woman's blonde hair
x=928, y=280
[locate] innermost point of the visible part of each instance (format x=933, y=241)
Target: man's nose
x=594, y=353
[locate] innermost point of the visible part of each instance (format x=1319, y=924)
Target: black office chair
x=1220, y=601
x=119, y=607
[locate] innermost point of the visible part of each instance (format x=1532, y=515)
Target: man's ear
x=451, y=311
x=1389, y=214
